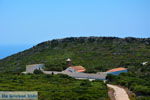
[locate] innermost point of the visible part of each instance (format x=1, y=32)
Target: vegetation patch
x=55, y=87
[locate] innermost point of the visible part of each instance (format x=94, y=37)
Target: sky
x=25, y=23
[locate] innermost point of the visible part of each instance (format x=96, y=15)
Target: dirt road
x=119, y=93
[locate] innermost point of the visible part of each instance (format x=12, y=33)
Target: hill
x=94, y=53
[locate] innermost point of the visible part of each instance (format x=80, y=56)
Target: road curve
x=119, y=93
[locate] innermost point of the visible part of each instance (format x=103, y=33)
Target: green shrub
x=36, y=71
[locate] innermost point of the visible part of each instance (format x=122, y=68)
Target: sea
x=8, y=50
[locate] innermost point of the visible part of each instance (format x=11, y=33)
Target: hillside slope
x=94, y=53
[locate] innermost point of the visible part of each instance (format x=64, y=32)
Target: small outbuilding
x=117, y=71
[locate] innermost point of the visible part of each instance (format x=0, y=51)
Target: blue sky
x=28, y=22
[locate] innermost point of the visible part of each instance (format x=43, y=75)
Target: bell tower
x=69, y=62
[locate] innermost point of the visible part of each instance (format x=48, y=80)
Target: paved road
x=119, y=93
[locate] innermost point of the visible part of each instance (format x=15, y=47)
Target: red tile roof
x=117, y=69
x=78, y=68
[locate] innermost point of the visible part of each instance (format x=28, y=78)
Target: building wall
x=31, y=68
x=87, y=75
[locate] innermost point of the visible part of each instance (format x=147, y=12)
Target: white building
x=145, y=63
